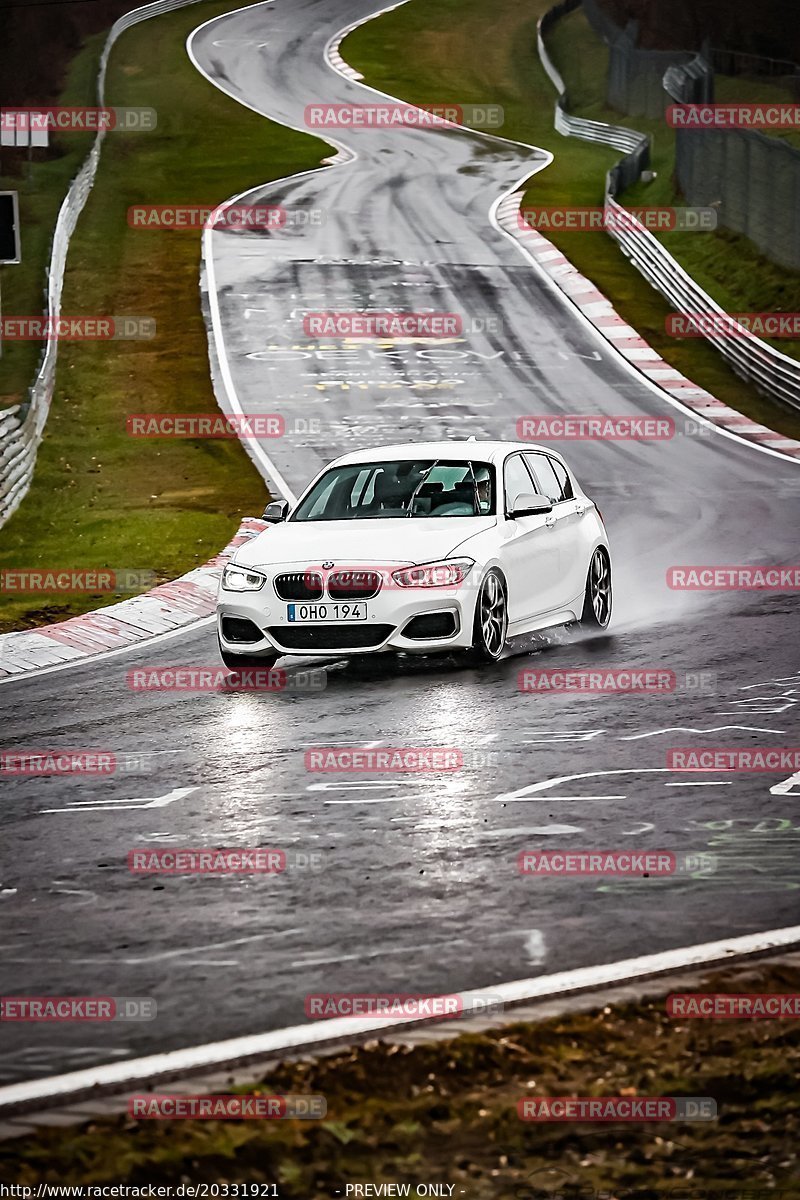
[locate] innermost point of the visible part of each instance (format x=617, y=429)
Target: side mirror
x=529, y=505
x=276, y=511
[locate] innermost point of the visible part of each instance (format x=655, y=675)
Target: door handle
x=580, y=509
x=550, y=521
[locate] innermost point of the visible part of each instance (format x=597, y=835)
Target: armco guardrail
x=627, y=140
x=22, y=426
x=773, y=373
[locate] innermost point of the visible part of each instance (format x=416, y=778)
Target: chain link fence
x=753, y=181
x=22, y=426
x=634, y=78
x=773, y=373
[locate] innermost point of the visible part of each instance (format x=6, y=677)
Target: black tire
x=242, y=662
x=598, y=595
x=490, y=627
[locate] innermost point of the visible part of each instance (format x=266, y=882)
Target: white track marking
x=702, y=783
x=635, y=737
x=513, y=798
x=544, y=785
x=122, y=1076
x=84, y=806
x=787, y=786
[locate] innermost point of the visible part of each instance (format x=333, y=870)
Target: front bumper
x=386, y=627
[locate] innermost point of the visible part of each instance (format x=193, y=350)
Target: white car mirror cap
x=528, y=505
x=276, y=511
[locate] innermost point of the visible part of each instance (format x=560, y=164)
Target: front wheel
x=243, y=662
x=491, y=619
x=597, y=597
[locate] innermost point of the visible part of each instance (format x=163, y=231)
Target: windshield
x=385, y=490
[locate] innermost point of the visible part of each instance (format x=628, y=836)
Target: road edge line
x=341, y=1032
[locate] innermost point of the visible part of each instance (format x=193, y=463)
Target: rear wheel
x=242, y=662
x=491, y=619
x=598, y=596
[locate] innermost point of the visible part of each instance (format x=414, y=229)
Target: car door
x=528, y=550
x=568, y=511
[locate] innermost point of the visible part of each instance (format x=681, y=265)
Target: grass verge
x=445, y=1112
x=463, y=51
x=99, y=497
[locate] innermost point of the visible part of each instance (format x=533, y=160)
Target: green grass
x=469, y=52
x=445, y=1112
x=41, y=188
x=100, y=497
x=741, y=89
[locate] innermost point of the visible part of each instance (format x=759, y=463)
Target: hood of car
x=398, y=541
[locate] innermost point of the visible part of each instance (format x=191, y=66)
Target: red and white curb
x=340, y=65
x=165, y=608
x=625, y=339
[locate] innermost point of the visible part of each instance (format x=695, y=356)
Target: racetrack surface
x=417, y=888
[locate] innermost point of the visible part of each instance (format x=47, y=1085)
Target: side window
x=542, y=467
x=517, y=480
x=563, y=478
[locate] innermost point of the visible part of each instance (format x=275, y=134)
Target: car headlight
x=242, y=579
x=449, y=573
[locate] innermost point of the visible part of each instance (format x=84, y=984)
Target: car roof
x=455, y=451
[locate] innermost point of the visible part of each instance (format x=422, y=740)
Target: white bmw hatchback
x=437, y=546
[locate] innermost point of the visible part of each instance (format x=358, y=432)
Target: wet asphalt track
x=416, y=887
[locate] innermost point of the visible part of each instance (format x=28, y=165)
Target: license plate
x=329, y=612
